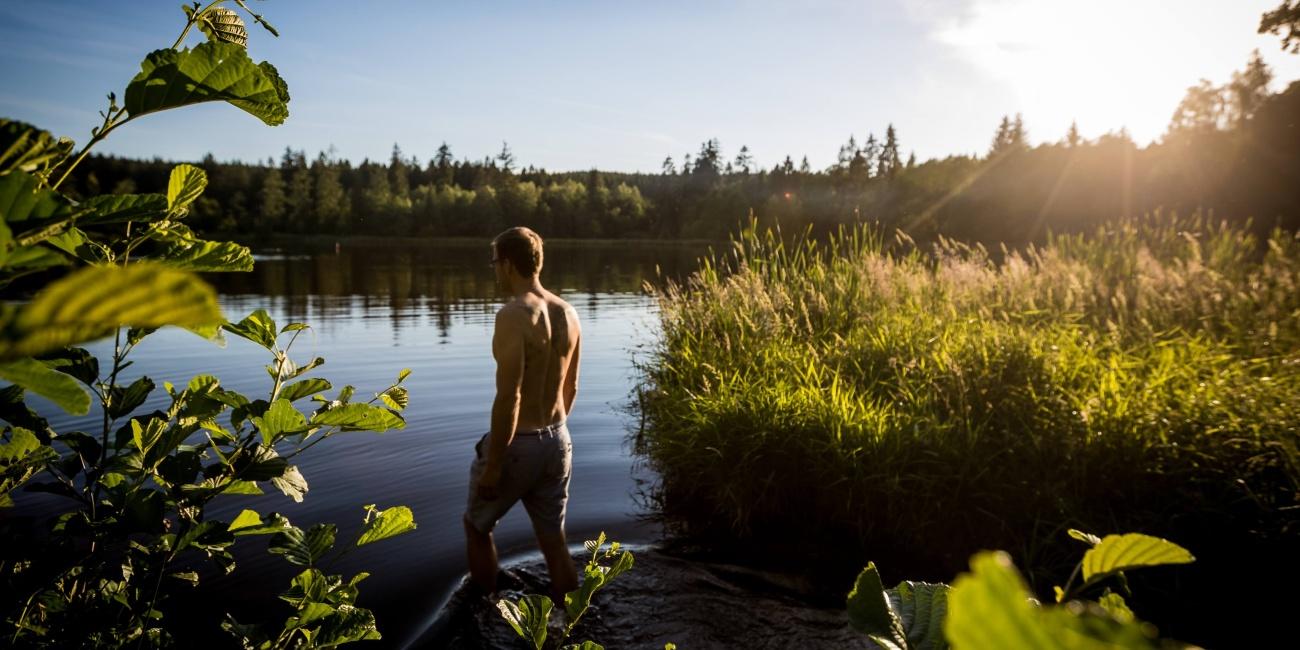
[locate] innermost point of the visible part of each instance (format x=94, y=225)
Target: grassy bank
x=862, y=399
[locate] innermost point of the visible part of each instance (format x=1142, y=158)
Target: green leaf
x=25, y=204
x=280, y=419
x=871, y=613
x=291, y=483
x=359, y=417
x=209, y=256
x=224, y=25
x=1087, y=538
x=395, y=398
x=922, y=606
x=304, y=549
x=387, y=523
x=129, y=399
x=242, y=487
x=589, y=645
x=528, y=617
x=184, y=186
x=74, y=362
x=55, y=386
x=250, y=523
x=1117, y=553
x=20, y=458
x=92, y=302
x=401, y=376
x=991, y=608
x=1114, y=605
x=26, y=148
x=262, y=464
x=120, y=208
x=209, y=72
x=258, y=327
x=304, y=388
x=577, y=601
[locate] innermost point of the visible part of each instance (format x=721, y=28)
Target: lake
x=375, y=309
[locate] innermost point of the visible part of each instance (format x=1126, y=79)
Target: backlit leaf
x=304, y=548
x=185, y=184
x=26, y=148
x=922, y=606
x=528, y=617
x=209, y=72
x=279, y=420
x=359, y=417
x=871, y=613
x=258, y=327
x=990, y=607
x=291, y=483
x=304, y=388
x=92, y=302
x=221, y=24
x=55, y=386
x=119, y=208
x=387, y=523
x=1117, y=553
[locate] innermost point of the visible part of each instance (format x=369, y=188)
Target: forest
x=1230, y=150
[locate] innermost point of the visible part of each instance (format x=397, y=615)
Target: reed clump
x=866, y=397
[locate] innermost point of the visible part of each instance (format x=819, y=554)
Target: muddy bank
x=664, y=598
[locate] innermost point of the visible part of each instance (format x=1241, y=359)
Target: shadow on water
x=375, y=309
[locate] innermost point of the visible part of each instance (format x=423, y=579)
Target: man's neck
x=523, y=286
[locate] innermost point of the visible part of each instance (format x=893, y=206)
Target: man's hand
x=489, y=483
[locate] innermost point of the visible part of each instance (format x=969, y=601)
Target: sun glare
x=1107, y=64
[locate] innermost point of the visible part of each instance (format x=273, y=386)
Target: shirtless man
x=527, y=455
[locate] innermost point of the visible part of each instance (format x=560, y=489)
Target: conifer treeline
x=1233, y=149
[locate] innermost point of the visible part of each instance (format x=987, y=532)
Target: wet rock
x=664, y=598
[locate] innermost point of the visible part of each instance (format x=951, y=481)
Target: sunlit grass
x=867, y=395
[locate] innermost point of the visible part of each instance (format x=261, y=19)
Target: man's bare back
x=547, y=329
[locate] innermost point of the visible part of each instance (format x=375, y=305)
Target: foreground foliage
x=530, y=616
x=920, y=405
x=132, y=528
x=991, y=608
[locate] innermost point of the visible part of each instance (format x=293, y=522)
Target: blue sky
x=621, y=85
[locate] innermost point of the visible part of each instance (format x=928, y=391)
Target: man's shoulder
x=514, y=313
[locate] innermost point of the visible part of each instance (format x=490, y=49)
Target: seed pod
x=221, y=24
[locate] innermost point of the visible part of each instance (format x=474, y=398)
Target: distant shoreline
x=396, y=242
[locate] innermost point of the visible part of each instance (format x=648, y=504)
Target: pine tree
x=888, y=163
x=1072, y=137
x=668, y=168
x=848, y=150
x=442, y=166
x=1248, y=89
x=299, y=201
x=399, y=175
x=804, y=167
x=271, y=201
x=744, y=161
x=332, y=205
x=506, y=158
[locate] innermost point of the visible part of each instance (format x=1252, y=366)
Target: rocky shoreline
x=664, y=598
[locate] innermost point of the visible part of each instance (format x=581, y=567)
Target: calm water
x=427, y=307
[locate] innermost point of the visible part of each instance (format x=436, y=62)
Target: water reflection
x=374, y=309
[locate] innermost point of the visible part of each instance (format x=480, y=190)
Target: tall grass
x=864, y=397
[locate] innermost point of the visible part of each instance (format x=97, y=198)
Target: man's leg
x=559, y=564
x=482, y=552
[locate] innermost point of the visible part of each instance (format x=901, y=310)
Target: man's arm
x=571, y=376
x=508, y=350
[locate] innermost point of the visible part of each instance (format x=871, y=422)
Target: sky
x=621, y=85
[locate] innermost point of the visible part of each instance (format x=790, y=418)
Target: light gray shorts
x=535, y=470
